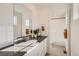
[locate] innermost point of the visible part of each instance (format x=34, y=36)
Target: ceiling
x=54, y=8
x=50, y=4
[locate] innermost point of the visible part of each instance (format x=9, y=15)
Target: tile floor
x=56, y=50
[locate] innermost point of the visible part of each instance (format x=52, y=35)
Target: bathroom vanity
x=32, y=47
x=39, y=49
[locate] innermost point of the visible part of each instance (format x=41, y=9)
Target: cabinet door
x=41, y=48
x=45, y=46
x=34, y=51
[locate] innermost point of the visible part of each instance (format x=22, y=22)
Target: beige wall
x=75, y=31
x=75, y=37
x=46, y=12
x=76, y=11
x=6, y=24
x=43, y=18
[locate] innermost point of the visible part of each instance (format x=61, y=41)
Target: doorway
x=56, y=36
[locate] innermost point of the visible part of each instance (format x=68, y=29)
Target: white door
x=56, y=30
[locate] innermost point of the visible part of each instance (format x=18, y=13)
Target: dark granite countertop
x=41, y=38
x=12, y=53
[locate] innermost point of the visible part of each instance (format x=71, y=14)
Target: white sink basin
x=20, y=46
x=25, y=44
x=30, y=48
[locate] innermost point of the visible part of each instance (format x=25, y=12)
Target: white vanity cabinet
x=38, y=50
x=33, y=51
x=41, y=48
x=45, y=46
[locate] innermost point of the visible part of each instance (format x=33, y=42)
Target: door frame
x=56, y=18
x=69, y=18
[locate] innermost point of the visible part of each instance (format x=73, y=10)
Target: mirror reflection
x=22, y=21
